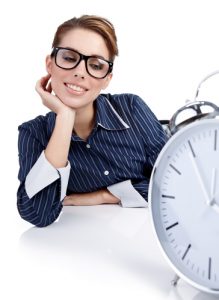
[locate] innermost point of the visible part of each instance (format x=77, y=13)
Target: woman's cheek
x=57, y=88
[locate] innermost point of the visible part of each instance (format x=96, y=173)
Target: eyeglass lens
x=68, y=59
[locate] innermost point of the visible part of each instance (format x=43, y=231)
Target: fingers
x=42, y=84
x=45, y=82
x=44, y=89
x=67, y=201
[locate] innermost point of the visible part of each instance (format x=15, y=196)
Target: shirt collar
x=106, y=115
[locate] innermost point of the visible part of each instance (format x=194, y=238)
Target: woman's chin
x=73, y=103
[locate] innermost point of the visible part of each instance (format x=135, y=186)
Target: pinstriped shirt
x=123, y=146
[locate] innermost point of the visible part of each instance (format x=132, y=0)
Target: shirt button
x=88, y=146
x=106, y=172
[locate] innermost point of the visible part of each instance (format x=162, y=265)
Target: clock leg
x=175, y=280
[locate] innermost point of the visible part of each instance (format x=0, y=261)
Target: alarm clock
x=184, y=198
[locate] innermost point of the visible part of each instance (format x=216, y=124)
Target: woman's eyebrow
x=94, y=55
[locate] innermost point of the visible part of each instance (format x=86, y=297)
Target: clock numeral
x=209, y=268
x=168, y=196
x=215, y=140
x=187, y=250
x=175, y=169
x=171, y=226
x=191, y=148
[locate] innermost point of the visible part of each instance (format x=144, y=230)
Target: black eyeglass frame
x=82, y=57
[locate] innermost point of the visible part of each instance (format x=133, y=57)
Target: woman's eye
x=96, y=67
x=69, y=59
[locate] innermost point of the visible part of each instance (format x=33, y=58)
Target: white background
x=166, y=48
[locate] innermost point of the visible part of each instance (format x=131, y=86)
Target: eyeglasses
x=69, y=59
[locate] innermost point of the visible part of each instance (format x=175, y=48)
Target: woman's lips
x=75, y=89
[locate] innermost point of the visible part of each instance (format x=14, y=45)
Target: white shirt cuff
x=43, y=174
x=64, y=174
x=127, y=194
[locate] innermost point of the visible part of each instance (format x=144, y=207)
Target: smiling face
x=76, y=88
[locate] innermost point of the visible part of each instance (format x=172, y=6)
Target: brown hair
x=97, y=24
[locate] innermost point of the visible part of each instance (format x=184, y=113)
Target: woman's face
x=75, y=87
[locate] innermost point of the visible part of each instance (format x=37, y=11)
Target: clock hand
x=201, y=181
x=213, y=181
x=213, y=185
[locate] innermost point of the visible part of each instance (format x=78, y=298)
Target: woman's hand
x=93, y=198
x=44, y=89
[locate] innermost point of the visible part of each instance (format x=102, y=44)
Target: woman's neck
x=84, y=122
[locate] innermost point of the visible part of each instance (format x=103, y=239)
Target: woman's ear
x=49, y=64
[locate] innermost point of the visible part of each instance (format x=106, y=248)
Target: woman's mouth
x=73, y=88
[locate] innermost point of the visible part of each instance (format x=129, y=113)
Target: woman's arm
x=57, y=149
x=43, y=173
x=42, y=207
x=94, y=198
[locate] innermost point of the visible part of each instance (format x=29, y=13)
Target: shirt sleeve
x=142, y=188
x=41, y=185
x=128, y=195
x=43, y=174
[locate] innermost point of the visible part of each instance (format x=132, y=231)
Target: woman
x=91, y=148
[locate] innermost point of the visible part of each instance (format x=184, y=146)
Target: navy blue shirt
x=124, y=144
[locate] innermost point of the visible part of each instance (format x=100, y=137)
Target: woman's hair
x=97, y=24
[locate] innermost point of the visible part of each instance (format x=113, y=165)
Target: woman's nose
x=80, y=71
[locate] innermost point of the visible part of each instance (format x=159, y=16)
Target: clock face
x=184, y=203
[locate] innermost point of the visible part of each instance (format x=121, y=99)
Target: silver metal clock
x=184, y=201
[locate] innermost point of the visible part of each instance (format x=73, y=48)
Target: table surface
x=93, y=252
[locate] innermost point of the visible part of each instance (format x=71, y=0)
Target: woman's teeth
x=75, y=87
